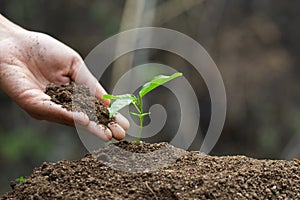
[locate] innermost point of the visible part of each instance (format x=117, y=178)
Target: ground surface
x=187, y=175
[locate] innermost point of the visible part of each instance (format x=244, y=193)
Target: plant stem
x=140, y=130
x=137, y=108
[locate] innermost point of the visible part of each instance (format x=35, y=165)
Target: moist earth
x=190, y=175
x=77, y=97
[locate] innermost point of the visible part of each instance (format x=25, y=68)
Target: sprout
x=126, y=99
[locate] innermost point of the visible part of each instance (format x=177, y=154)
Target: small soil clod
x=77, y=97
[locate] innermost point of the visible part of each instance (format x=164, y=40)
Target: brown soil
x=76, y=97
x=190, y=176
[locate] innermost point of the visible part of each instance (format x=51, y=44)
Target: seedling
x=126, y=99
x=20, y=179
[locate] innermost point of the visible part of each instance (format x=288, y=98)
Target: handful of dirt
x=77, y=98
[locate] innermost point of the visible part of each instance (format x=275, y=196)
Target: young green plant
x=126, y=99
x=20, y=179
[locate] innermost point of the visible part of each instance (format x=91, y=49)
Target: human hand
x=31, y=60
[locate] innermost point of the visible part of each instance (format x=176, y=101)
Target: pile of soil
x=191, y=176
x=127, y=170
x=77, y=97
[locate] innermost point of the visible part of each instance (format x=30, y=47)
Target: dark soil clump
x=190, y=176
x=77, y=97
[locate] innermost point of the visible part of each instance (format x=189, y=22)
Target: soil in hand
x=77, y=97
x=191, y=176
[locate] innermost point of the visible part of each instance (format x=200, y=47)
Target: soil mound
x=190, y=176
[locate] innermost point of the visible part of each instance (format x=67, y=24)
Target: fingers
x=47, y=110
x=120, y=119
x=117, y=131
x=81, y=118
x=114, y=130
x=52, y=112
x=62, y=116
x=58, y=114
x=99, y=130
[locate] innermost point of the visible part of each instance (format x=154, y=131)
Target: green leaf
x=121, y=102
x=157, y=81
x=140, y=115
x=20, y=179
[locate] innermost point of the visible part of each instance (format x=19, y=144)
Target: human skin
x=30, y=60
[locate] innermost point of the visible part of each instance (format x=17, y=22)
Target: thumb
x=80, y=74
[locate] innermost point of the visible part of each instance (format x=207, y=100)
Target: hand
x=31, y=60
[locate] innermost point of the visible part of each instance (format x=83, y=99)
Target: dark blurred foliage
x=255, y=44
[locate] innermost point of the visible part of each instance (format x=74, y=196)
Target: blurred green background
x=255, y=44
